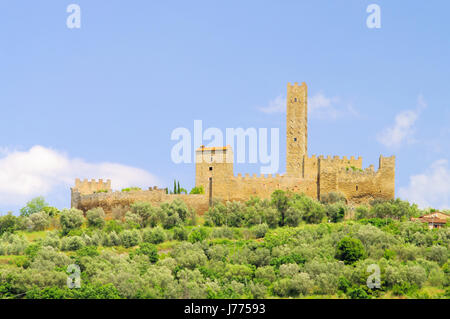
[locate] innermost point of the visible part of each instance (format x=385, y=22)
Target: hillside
x=288, y=247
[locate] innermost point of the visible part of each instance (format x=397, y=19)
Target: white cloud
x=278, y=105
x=431, y=188
x=323, y=107
x=403, y=128
x=319, y=106
x=43, y=171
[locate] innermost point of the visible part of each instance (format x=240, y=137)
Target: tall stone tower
x=296, y=128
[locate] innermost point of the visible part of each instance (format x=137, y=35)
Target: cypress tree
x=174, y=186
x=179, y=189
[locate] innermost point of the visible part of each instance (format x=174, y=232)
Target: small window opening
x=356, y=187
x=295, y=139
x=295, y=100
x=210, y=168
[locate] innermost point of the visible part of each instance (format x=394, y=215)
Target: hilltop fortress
x=313, y=175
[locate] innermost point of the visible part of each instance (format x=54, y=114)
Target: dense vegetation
x=288, y=246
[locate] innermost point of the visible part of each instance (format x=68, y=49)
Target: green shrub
x=362, y=212
x=396, y=209
x=265, y=274
x=299, y=284
x=51, y=240
x=180, y=233
x=222, y=232
x=306, y=208
x=336, y=211
x=333, y=197
x=389, y=254
x=155, y=235
x=129, y=238
x=113, y=226
x=260, y=230
x=288, y=270
x=35, y=205
x=216, y=215
x=438, y=254
x=259, y=211
x=358, y=293
x=280, y=201
x=287, y=259
x=198, y=234
x=133, y=220
x=148, y=250
x=112, y=239
x=71, y=219
x=197, y=190
x=293, y=216
x=350, y=250
x=101, y=191
x=39, y=221
x=130, y=189
x=147, y=213
x=12, y=244
x=189, y=255
x=343, y=284
x=174, y=213
x=96, y=217
x=90, y=251
x=72, y=243
x=8, y=223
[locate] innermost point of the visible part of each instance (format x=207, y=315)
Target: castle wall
x=242, y=188
x=118, y=199
x=357, y=185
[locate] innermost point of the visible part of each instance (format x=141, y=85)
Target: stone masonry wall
x=109, y=201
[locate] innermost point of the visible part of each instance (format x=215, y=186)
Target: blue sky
x=101, y=101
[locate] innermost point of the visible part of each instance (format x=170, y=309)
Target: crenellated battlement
x=387, y=162
x=296, y=84
x=88, y=187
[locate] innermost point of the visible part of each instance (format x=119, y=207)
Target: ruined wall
x=155, y=196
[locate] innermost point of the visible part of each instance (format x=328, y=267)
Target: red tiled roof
x=433, y=214
x=430, y=220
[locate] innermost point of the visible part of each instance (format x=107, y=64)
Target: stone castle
x=313, y=175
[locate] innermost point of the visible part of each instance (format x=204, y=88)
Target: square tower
x=296, y=128
x=215, y=162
